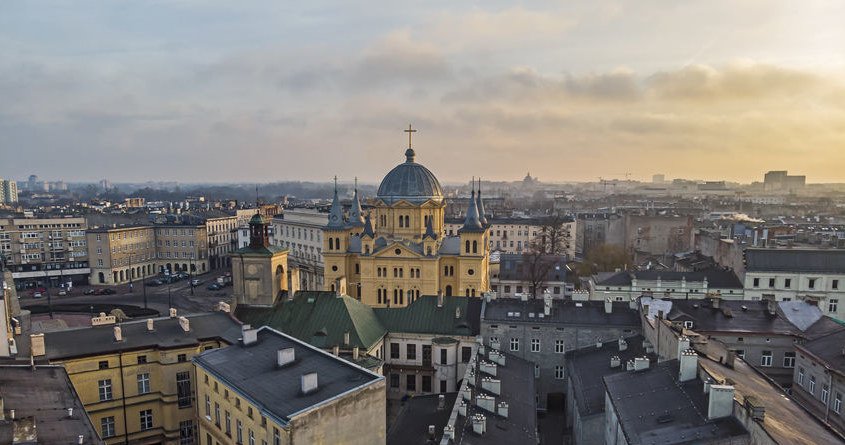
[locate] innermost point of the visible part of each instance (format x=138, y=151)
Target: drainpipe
x=829, y=393
x=123, y=398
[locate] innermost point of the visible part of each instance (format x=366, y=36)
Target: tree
x=605, y=258
x=552, y=235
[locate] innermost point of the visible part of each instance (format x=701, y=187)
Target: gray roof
x=472, y=223
x=587, y=367
x=356, y=215
x=512, y=267
x=566, y=312
x=336, y=220
x=716, y=278
x=43, y=396
x=829, y=349
x=168, y=334
x=252, y=372
x=735, y=316
x=653, y=407
x=451, y=245
x=414, y=417
x=410, y=181
x=795, y=260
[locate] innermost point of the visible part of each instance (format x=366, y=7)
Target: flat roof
x=577, y=313
x=252, y=371
x=41, y=397
x=416, y=414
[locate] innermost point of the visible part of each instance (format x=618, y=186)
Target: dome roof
x=410, y=181
x=258, y=219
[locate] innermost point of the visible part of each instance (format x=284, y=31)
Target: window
x=788, y=359
x=558, y=372
x=142, y=359
x=104, y=364
x=494, y=342
x=536, y=371
x=217, y=414
x=535, y=345
x=825, y=393
x=832, y=305
x=787, y=282
x=394, y=380
x=443, y=357
x=240, y=437
x=183, y=389
x=466, y=354
x=143, y=383
x=411, y=382
x=740, y=353
x=766, y=358
x=837, y=403
x=228, y=424
x=208, y=407
x=411, y=352
x=186, y=432
x=249, y=412
x=182, y=357
x=394, y=350
x=107, y=426
x=560, y=347
x=801, y=376
x=514, y=344
x=104, y=387
x=251, y=438
x=277, y=436
x=426, y=383
x=834, y=284
x=811, y=283
x=756, y=282
x=812, y=386
x=771, y=282
x=146, y=419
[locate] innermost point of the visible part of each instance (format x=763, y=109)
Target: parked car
x=109, y=292
x=89, y=292
x=183, y=275
x=213, y=286
x=62, y=293
x=154, y=283
x=195, y=283
x=36, y=295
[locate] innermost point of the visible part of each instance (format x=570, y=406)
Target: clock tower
x=259, y=270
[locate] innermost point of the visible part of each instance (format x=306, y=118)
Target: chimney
x=714, y=301
x=118, y=335
x=335, y=350
x=721, y=401
x=173, y=312
x=441, y=402
x=440, y=298
x=355, y=353
x=185, y=324
x=70, y=413
x=689, y=365
x=502, y=409
x=479, y=424
x=623, y=344
x=707, y=384
x=431, y=430
x=462, y=408
x=150, y=325
x=615, y=361
x=641, y=363
x=248, y=335
x=487, y=367
x=485, y=402
x=224, y=307
x=285, y=357
x=772, y=305
x=81, y=439
x=608, y=305
x=683, y=344
x=448, y=432
x=346, y=338
x=309, y=383
x=598, y=343
x=492, y=385
x=457, y=313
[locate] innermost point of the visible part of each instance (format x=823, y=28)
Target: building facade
x=515, y=235
x=42, y=251
x=222, y=239
x=8, y=192
x=399, y=251
x=628, y=286
x=121, y=254
x=300, y=231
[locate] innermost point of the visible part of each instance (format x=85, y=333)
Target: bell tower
x=259, y=270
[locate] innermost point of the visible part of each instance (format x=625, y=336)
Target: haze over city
x=270, y=91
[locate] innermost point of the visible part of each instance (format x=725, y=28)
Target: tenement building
x=42, y=251
x=398, y=252
x=300, y=231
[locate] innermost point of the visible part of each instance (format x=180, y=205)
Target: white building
x=627, y=286
x=816, y=276
x=300, y=231
x=514, y=235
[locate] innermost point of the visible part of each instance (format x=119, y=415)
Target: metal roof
x=411, y=182
x=795, y=260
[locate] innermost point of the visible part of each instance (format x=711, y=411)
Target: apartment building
x=514, y=235
x=121, y=254
x=182, y=248
x=136, y=380
x=819, y=379
x=300, y=231
x=222, y=240
x=45, y=251
x=8, y=192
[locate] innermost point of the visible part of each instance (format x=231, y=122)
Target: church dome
x=410, y=181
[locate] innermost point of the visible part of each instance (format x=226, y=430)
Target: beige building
x=8, y=192
x=515, y=235
x=42, y=250
x=121, y=254
x=274, y=389
x=180, y=248
x=222, y=239
x=399, y=252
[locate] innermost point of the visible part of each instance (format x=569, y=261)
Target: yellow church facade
x=399, y=251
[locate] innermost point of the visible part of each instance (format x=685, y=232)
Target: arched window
x=467, y=292
x=407, y=219
x=331, y=243
x=466, y=246
x=395, y=296
x=473, y=292
x=337, y=243
x=451, y=271
x=401, y=221
x=401, y=296
x=418, y=294
x=475, y=247
x=102, y=278
x=446, y=271
x=378, y=292
x=449, y=291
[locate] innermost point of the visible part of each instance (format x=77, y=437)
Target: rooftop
x=415, y=416
x=568, y=312
x=795, y=260
x=41, y=398
x=716, y=278
x=515, y=267
x=740, y=316
x=830, y=349
x=253, y=372
x=654, y=407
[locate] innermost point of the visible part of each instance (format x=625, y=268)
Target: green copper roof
x=263, y=250
x=258, y=219
x=424, y=317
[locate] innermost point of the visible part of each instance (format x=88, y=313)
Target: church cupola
x=356, y=217
x=258, y=232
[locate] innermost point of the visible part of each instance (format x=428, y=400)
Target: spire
x=356, y=218
x=368, y=227
x=429, y=228
x=336, y=213
x=472, y=223
x=480, y=204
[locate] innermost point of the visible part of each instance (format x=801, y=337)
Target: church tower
x=259, y=270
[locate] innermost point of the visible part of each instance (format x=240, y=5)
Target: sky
x=268, y=90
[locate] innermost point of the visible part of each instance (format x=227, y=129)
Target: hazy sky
x=283, y=90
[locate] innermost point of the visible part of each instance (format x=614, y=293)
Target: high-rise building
x=41, y=250
x=8, y=191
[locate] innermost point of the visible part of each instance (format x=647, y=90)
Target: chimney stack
x=721, y=401
x=173, y=312
x=479, y=424
x=502, y=409
x=248, y=335
x=440, y=298
x=457, y=313
x=355, y=353
x=683, y=344
x=623, y=344
x=641, y=363
x=150, y=325
x=689, y=365
x=714, y=301
x=309, y=382
x=615, y=361
x=608, y=305
x=185, y=324
x=336, y=350
x=118, y=335
x=285, y=357
x=346, y=338
x=441, y=402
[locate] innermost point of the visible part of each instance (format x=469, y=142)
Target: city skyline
x=200, y=91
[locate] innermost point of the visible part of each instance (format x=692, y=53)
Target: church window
x=467, y=292
x=470, y=271
x=400, y=272
x=475, y=247
x=473, y=292
x=334, y=268
x=378, y=292
x=417, y=294
x=378, y=271
x=395, y=296
x=401, y=296
x=331, y=243
x=395, y=273
x=446, y=270
x=357, y=268
x=398, y=251
x=451, y=271
x=466, y=246
x=337, y=243
x=407, y=219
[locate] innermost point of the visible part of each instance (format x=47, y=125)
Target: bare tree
x=536, y=266
x=552, y=235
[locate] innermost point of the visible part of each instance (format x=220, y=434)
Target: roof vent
x=285, y=357
x=641, y=363
x=185, y=324
x=173, y=312
x=150, y=325
x=615, y=361
x=118, y=335
x=249, y=336
x=309, y=382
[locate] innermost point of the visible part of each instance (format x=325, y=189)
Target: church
x=397, y=252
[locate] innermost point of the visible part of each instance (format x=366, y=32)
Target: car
x=98, y=292
x=62, y=293
x=89, y=292
x=195, y=282
x=154, y=283
x=41, y=289
x=214, y=286
x=183, y=275
x=36, y=295
x=109, y=292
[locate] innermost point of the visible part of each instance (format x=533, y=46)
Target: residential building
x=8, y=192
x=45, y=251
x=397, y=253
x=136, y=379
x=182, y=248
x=40, y=406
x=517, y=273
x=595, y=229
x=819, y=380
x=515, y=235
x=781, y=181
x=630, y=285
x=273, y=389
x=816, y=276
x=542, y=330
x=222, y=239
x=121, y=254
x=300, y=231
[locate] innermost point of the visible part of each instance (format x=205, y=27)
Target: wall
x=357, y=418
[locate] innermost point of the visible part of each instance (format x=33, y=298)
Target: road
x=179, y=293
